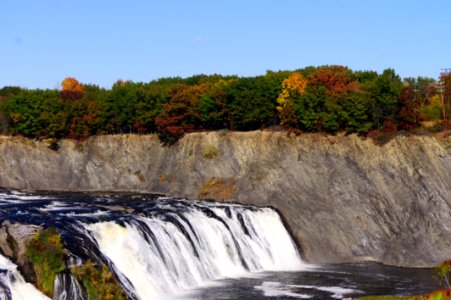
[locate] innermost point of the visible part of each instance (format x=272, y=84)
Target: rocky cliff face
x=13, y=244
x=345, y=199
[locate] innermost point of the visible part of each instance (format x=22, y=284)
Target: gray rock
x=344, y=198
x=13, y=242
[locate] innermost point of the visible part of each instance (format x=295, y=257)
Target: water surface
x=167, y=248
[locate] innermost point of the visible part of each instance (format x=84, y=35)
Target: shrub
x=210, y=152
x=99, y=282
x=433, y=110
x=216, y=188
x=435, y=128
x=443, y=273
x=46, y=252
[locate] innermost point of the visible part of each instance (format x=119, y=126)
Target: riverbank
x=344, y=198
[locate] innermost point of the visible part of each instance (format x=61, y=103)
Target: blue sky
x=99, y=42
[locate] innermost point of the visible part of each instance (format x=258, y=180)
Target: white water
x=67, y=288
x=162, y=261
x=15, y=284
x=277, y=289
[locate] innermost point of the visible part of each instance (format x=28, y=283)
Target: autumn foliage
x=71, y=89
x=314, y=99
x=292, y=87
x=181, y=114
x=443, y=273
x=71, y=84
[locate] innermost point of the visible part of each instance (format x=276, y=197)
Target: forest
x=327, y=99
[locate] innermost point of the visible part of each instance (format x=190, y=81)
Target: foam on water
x=275, y=289
x=24, y=196
x=93, y=214
x=54, y=206
x=13, y=286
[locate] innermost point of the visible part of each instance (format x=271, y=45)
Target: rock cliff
x=13, y=243
x=344, y=198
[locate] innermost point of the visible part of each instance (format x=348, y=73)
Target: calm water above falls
x=162, y=248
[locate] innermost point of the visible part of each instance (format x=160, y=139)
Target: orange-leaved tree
x=181, y=113
x=71, y=89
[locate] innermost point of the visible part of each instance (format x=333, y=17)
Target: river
x=167, y=248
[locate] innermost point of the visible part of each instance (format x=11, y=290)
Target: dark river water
x=325, y=282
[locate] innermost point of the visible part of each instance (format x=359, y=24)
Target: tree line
x=313, y=99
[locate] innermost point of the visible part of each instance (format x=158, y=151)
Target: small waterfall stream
x=158, y=248
x=68, y=288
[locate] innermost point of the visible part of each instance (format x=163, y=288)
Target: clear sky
x=100, y=41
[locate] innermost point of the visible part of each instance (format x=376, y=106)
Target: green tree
x=5, y=93
x=213, y=107
x=332, y=101
x=53, y=117
x=251, y=102
x=124, y=96
x=34, y=113
x=383, y=93
x=356, y=116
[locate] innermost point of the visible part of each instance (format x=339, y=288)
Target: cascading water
x=68, y=288
x=167, y=254
x=158, y=248
x=12, y=284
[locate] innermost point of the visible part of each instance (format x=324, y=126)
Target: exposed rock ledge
x=344, y=198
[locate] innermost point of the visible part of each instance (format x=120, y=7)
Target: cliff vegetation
x=313, y=99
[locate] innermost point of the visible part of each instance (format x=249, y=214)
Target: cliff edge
x=344, y=198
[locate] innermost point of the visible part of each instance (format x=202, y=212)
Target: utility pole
x=445, y=86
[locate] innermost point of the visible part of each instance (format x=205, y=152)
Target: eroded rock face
x=13, y=242
x=344, y=198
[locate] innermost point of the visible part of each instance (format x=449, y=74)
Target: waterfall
x=157, y=248
x=68, y=288
x=164, y=256
x=13, y=286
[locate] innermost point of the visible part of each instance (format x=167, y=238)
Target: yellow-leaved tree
x=292, y=87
